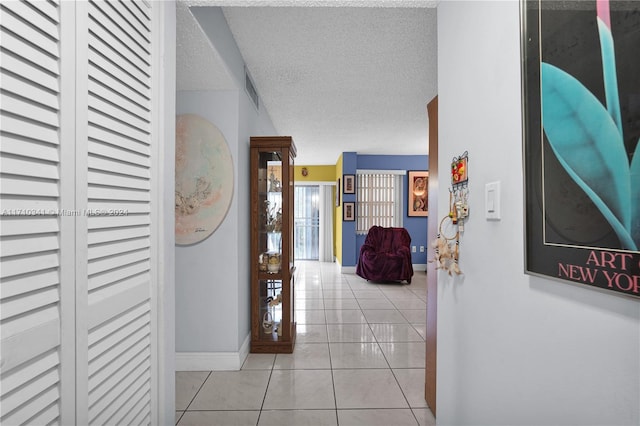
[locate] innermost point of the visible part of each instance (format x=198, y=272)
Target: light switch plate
x=492, y=201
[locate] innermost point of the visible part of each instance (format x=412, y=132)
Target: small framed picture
x=349, y=182
x=338, y=193
x=417, y=193
x=348, y=212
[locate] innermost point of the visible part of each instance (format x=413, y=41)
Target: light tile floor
x=358, y=360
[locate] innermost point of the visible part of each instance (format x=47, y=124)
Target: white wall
x=167, y=312
x=514, y=349
x=212, y=277
x=207, y=272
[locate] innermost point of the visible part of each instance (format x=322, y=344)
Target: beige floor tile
x=412, y=384
x=300, y=389
x=305, y=356
x=368, y=293
x=395, y=417
x=341, y=304
x=367, y=388
x=178, y=415
x=298, y=418
x=378, y=303
x=310, y=316
x=383, y=316
x=415, y=316
x=187, y=385
x=259, y=362
x=345, y=316
x=404, y=355
x=302, y=304
x=421, y=329
x=387, y=332
x=338, y=294
x=232, y=390
x=414, y=303
x=357, y=355
x=311, y=333
x=350, y=333
x=227, y=418
x=424, y=416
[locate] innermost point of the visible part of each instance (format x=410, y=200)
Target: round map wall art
x=204, y=178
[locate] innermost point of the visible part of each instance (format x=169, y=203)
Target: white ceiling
x=356, y=76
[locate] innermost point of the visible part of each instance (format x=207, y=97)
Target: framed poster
x=348, y=212
x=581, y=117
x=417, y=193
x=349, y=182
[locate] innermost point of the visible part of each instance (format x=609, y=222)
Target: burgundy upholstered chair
x=386, y=255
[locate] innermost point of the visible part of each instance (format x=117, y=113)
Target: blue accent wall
x=416, y=226
x=349, y=249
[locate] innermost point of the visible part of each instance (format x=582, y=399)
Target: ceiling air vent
x=250, y=88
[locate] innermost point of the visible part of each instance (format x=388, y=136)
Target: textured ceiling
x=337, y=78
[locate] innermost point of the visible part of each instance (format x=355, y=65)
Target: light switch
x=492, y=200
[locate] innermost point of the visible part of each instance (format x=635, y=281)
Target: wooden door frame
x=432, y=275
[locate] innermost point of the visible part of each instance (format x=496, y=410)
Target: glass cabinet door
x=273, y=325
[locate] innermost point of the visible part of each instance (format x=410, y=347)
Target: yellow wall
x=316, y=174
x=337, y=236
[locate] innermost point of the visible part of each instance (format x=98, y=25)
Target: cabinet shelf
x=271, y=166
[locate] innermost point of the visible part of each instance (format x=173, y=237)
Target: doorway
x=307, y=222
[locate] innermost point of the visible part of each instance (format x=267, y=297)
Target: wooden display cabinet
x=272, y=260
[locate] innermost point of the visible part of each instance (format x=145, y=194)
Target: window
x=379, y=195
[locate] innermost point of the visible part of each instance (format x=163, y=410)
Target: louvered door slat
x=47, y=8
x=123, y=100
x=29, y=13
x=106, y=121
x=118, y=194
x=30, y=241
x=121, y=207
x=29, y=130
x=117, y=166
x=16, y=145
x=137, y=393
x=25, y=88
x=114, y=248
x=106, y=235
x=114, y=111
x=133, y=14
x=30, y=389
x=121, y=71
x=107, y=47
x=14, y=286
x=111, y=143
x=33, y=409
x=123, y=30
x=30, y=225
x=107, y=80
x=104, y=381
x=29, y=29
x=29, y=244
x=112, y=276
x=111, y=327
x=35, y=57
x=28, y=167
x=116, y=180
x=15, y=185
x=11, y=63
x=29, y=110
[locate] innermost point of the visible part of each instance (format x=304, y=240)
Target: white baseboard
x=347, y=269
x=208, y=361
x=419, y=266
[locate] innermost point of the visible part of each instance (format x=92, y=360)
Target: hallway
x=358, y=360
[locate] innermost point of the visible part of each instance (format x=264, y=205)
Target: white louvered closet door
x=76, y=234
x=114, y=157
